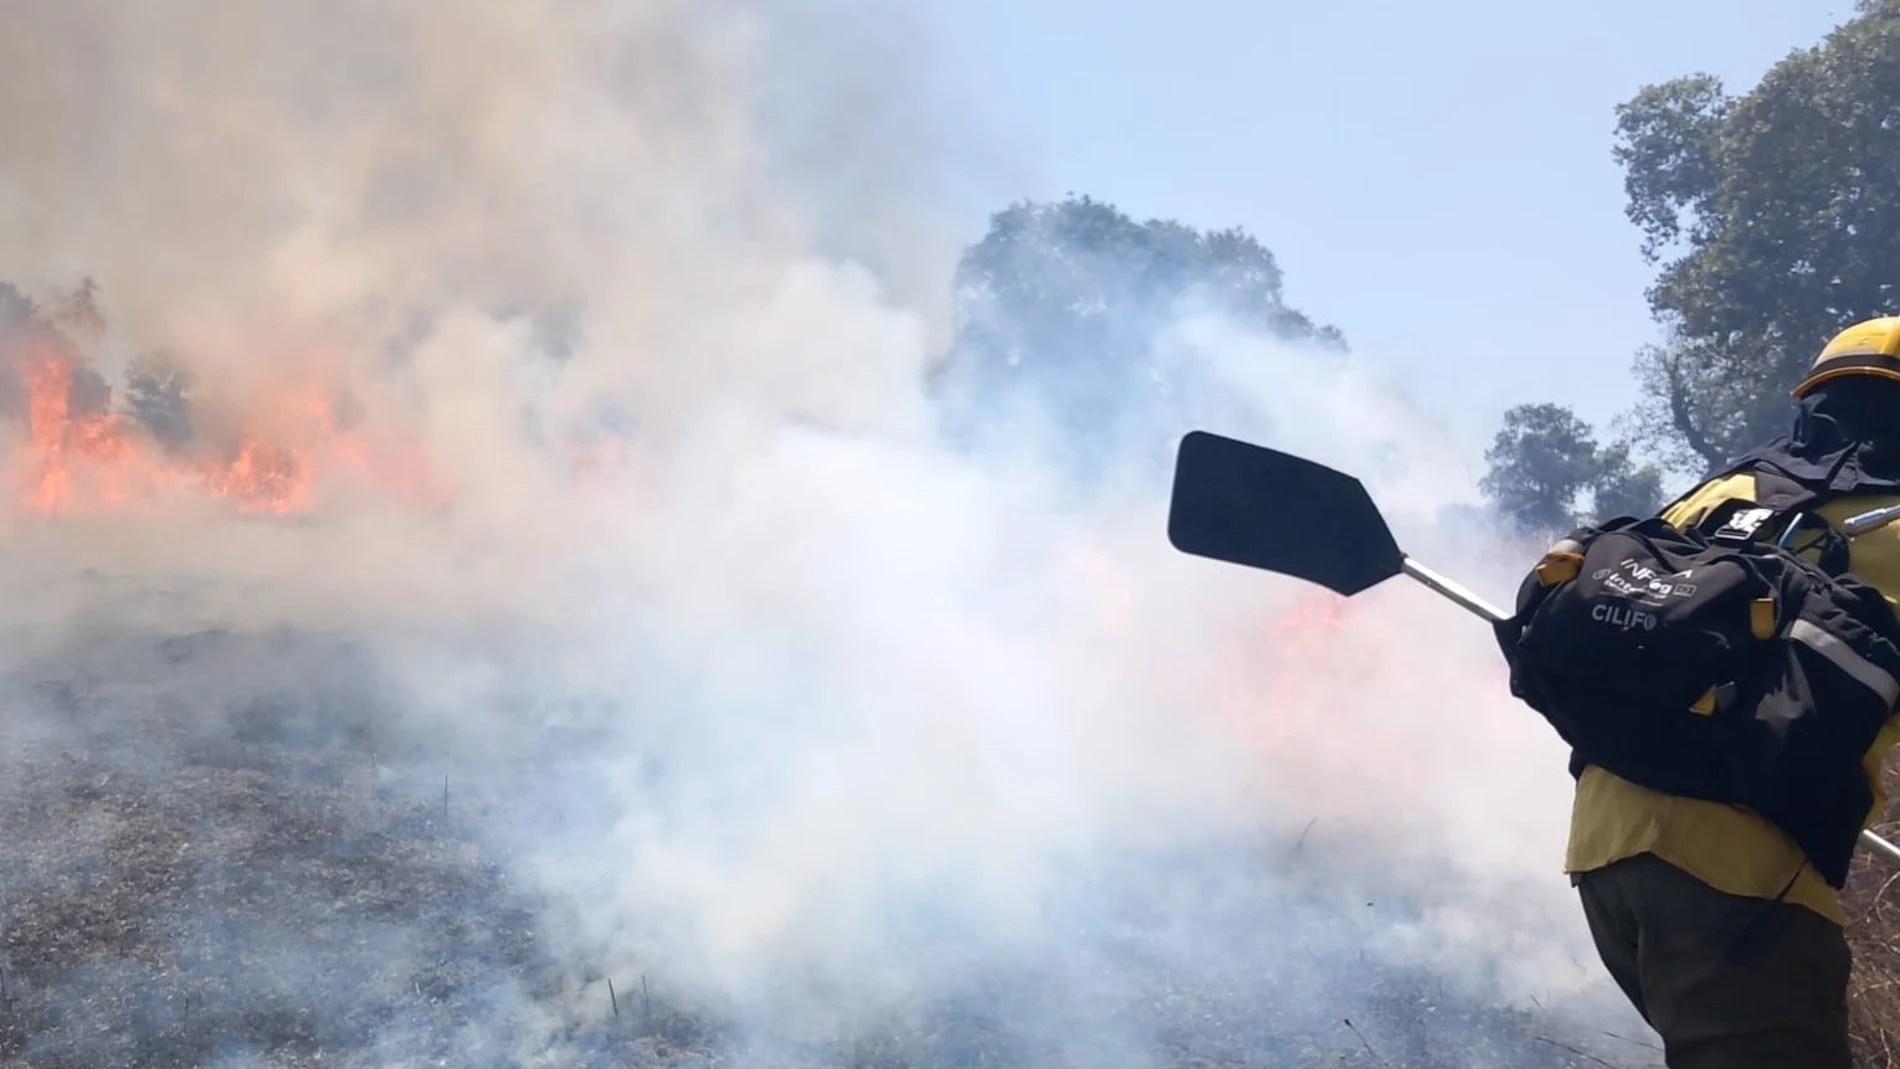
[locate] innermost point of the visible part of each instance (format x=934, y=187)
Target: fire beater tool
x=1260, y=508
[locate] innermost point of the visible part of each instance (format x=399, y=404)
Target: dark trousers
x=1728, y=982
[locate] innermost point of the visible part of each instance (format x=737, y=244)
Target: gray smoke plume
x=478, y=534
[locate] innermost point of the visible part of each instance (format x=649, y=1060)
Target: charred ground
x=1873, y=931
x=212, y=859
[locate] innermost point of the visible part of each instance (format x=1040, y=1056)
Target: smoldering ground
x=482, y=535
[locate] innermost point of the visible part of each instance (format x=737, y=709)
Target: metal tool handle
x=1452, y=590
x=1870, y=520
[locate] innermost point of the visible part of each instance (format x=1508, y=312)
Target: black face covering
x=1845, y=440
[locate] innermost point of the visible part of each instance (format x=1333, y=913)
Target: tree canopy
x=1781, y=207
x=1545, y=462
x=1060, y=304
x=1774, y=219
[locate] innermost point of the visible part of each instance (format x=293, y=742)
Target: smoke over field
x=484, y=585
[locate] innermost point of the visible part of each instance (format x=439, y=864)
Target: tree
x=1545, y=459
x=158, y=396
x=1784, y=204
x=1060, y=305
x=1622, y=487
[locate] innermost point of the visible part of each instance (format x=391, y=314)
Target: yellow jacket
x=1727, y=847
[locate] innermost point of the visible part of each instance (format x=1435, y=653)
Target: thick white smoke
x=777, y=687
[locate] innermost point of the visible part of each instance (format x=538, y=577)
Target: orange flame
x=262, y=478
x=80, y=455
x=1281, y=687
x=58, y=437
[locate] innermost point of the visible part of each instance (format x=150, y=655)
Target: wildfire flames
x=75, y=452
x=1304, y=649
x=1294, y=690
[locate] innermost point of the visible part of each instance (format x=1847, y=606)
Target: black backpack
x=1718, y=662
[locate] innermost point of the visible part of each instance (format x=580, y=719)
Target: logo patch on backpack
x=1744, y=524
x=1634, y=579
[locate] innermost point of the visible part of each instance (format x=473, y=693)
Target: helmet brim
x=1872, y=365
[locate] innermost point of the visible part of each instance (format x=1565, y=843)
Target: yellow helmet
x=1870, y=347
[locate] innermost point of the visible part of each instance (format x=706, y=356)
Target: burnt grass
x=1873, y=934
x=193, y=874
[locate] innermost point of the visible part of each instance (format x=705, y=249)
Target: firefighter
x=1709, y=918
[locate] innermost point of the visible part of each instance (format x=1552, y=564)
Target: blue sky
x=1435, y=178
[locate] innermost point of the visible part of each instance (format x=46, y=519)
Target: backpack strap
x=1780, y=511
x=1776, y=489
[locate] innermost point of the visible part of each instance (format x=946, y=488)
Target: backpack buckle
x=1714, y=700
x=1560, y=563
